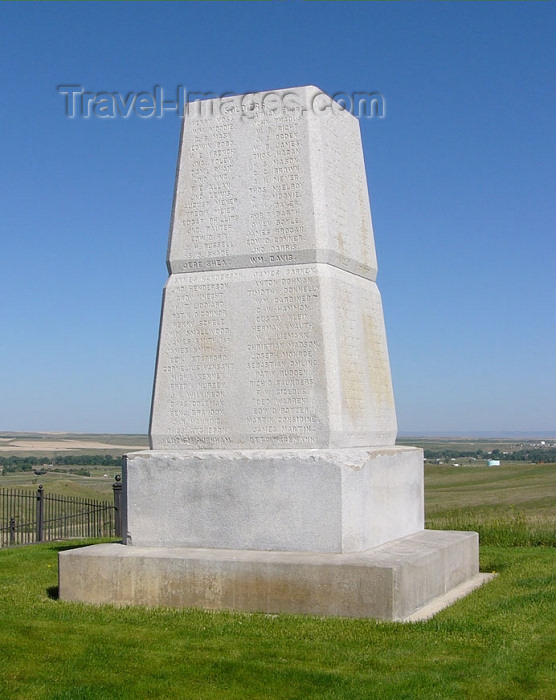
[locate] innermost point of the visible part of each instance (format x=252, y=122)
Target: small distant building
x=493, y=463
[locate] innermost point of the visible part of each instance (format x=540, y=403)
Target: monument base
x=299, y=500
x=426, y=570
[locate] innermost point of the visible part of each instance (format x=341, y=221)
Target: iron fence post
x=117, y=489
x=12, y=530
x=40, y=510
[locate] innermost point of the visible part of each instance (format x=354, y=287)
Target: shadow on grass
x=76, y=544
x=65, y=547
x=52, y=592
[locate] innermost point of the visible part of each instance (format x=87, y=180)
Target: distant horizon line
x=550, y=434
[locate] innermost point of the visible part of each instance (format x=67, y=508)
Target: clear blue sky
x=461, y=175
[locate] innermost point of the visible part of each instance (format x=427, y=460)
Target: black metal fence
x=27, y=517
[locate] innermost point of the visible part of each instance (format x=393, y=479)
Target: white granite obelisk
x=272, y=333
x=273, y=421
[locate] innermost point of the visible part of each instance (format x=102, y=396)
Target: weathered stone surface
x=389, y=582
x=345, y=500
x=274, y=357
x=272, y=331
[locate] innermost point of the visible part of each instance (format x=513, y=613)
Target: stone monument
x=273, y=482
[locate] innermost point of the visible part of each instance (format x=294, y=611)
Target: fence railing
x=27, y=517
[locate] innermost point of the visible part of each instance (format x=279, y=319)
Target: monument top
x=271, y=178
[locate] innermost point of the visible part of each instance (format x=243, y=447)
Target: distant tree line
x=536, y=454
x=23, y=464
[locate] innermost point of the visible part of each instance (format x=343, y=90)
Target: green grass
x=498, y=526
x=511, y=505
x=531, y=487
x=65, y=484
x=497, y=643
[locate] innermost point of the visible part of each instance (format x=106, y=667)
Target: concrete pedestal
x=391, y=582
x=320, y=532
x=344, y=500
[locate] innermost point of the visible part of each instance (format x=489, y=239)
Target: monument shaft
x=272, y=332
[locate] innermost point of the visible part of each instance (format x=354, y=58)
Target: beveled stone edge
x=428, y=611
x=388, y=555
x=273, y=259
x=334, y=454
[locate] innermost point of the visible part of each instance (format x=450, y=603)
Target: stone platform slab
x=344, y=500
x=390, y=582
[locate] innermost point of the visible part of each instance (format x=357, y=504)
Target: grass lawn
x=497, y=643
x=522, y=485
x=96, y=486
x=512, y=505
